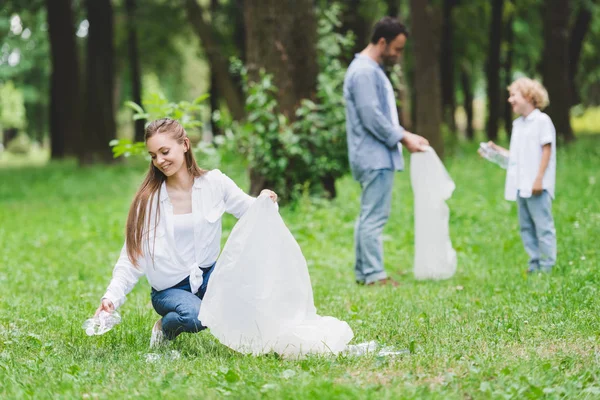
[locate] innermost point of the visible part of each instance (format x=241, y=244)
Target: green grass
x=491, y=331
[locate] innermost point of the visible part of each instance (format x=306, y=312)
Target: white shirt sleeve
x=547, y=132
x=125, y=276
x=236, y=201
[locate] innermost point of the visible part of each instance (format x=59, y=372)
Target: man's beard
x=388, y=60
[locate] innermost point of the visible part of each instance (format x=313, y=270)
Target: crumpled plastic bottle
x=493, y=155
x=101, y=323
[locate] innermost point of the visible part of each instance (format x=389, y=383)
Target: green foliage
x=156, y=106
x=12, y=107
x=296, y=156
x=21, y=144
x=490, y=332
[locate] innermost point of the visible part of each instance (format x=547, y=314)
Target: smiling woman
x=174, y=232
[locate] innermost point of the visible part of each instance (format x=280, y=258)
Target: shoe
x=384, y=282
x=157, y=338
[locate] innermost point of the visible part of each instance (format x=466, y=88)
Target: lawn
x=490, y=331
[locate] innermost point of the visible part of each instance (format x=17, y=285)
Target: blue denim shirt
x=372, y=136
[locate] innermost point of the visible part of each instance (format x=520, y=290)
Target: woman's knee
x=188, y=316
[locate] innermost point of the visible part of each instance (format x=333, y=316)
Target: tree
x=580, y=28
x=134, y=65
x=426, y=28
x=555, y=66
x=508, y=64
x=447, y=64
x=467, y=89
x=354, y=19
x=219, y=64
x=99, y=101
x=493, y=70
x=281, y=38
x=32, y=72
x=393, y=7
x=65, y=92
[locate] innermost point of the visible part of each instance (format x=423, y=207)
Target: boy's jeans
x=179, y=307
x=375, y=205
x=537, y=230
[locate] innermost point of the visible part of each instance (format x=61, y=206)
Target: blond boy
x=531, y=172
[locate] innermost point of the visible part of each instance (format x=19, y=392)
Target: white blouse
x=213, y=194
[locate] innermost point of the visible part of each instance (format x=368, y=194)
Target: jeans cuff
x=377, y=276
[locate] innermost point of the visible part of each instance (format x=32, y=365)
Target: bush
x=21, y=144
x=303, y=155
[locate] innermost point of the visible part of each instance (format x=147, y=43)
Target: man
x=374, y=136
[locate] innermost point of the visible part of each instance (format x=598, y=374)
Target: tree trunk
x=281, y=38
x=303, y=51
x=508, y=114
x=393, y=8
x=134, y=65
x=214, y=91
x=214, y=103
x=353, y=20
x=219, y=64
x=65, y=91
x=99, y=110
x=493, y=70
x=555, y=66
x=426, y=27
x=580, y=29
x=447, y=65
x=468, y=101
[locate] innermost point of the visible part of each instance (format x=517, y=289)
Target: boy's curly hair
x=532, y=90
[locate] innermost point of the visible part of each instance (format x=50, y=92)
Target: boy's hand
x=537, y=187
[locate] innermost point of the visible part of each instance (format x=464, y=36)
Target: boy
x=531, y=173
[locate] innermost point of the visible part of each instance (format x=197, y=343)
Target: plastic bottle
x=101, y=323
x=493, y=155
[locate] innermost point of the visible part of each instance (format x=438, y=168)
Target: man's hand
x=414, y=143
x=537, y=187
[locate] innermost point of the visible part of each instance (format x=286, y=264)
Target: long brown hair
x=149, y=191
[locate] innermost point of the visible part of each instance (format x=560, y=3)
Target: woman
x=174, y=232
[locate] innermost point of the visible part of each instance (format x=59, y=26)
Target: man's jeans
x=375, y=205
x=537, y=230
x=179, y=307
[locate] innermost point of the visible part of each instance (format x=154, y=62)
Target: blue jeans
x=375, y=206
x=537, y=230
x=179, y=307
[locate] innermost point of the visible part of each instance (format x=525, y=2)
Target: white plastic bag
x=432, y=186
x=260, y=298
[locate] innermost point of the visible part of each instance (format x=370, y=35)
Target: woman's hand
x=105, y=305
x=271, y=194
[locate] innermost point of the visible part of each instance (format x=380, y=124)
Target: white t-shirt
x=529, y=134
x=183, y=231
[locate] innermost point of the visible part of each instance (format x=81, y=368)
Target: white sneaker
x=157, y=338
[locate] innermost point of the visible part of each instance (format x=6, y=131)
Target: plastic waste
x=371, y=347
x=101, y=323
x=493, y=155
x=171, y=356
x=260, y=298
x=432, y=186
